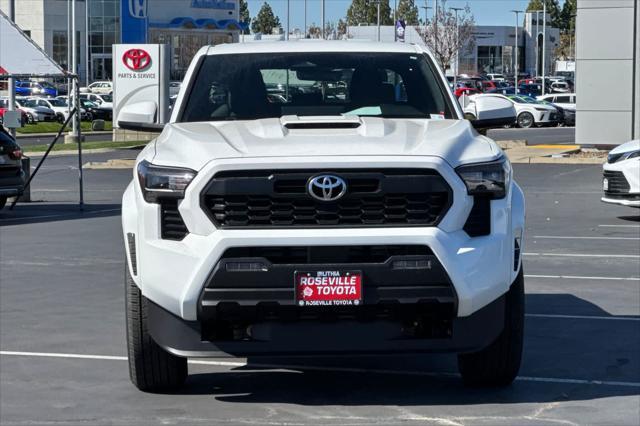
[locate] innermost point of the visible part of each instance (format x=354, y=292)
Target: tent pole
x=76, y=95
x=12, y=82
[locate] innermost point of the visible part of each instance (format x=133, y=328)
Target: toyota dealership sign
x=141, y=73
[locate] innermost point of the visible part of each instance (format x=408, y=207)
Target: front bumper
x=632, y=200
x=273, y=338
x=173, y=274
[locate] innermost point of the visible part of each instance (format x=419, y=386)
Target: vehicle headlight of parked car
x=614, y=158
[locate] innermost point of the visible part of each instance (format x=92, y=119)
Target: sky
x=485, y=12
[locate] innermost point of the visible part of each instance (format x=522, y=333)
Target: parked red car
x=465, y=91
x=4, y=106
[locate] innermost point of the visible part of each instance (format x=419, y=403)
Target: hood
x=193, y=145
x=633, y=145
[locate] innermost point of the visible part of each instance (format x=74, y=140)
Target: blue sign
x=133, y=21
x=213, y=4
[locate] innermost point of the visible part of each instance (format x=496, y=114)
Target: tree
x=341, y=28
x=244, y=15
x=365, y=12
x=314, y=31
x=567, y=15
x=408, y=11
x=266, y=21
x=553, y=9
x=447, y=43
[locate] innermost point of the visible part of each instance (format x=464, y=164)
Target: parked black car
x=567, y=116
x=12, y=178
x=94, y=112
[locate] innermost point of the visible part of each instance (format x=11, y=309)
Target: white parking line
x=619, y=226
x=49, y=216
x=327, y=369
x=572, y=277
x=563, y=237
x=609, y=256
x=585, y=317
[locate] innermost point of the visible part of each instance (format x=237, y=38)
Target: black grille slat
x=323, y=254
x=172, y=227
x=617, y=183
x=415, y=197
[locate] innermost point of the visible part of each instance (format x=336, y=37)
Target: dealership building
x=185, y=25
x=608, y=71
x=492, y=50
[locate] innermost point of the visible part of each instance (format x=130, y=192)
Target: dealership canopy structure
x=20, y=56
x=607, y=71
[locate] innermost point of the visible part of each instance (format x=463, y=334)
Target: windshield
x=30, y=103
x=106, y=98
x=57, y=102
x=253, y=86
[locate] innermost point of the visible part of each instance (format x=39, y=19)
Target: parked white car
x=103, y=100
x=621, y=181
x=563, y=100
x=58, y=106
x=496, y=77
x=251, y=219
x=560, y=87
x=103, y=87
x=35, y=112
x=529, y=111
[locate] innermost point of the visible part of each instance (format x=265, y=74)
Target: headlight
x=163, y=182
x=614, y=158
x=487, y=179
x=542, y=109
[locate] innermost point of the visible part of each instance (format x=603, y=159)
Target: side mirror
x=488, y=112
x=140, y=116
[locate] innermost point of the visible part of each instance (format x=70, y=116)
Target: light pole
x=426, y=8
x=516, y=51
x=455, y=74
x=377, y=2
x=435, y=27
x=305, y=18
x=286, y=35
x=74, y=67
x=322, y=18
x=544, y=42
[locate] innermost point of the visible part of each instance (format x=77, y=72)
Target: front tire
x=526, y=120
x=151, y=368
x=499, y=363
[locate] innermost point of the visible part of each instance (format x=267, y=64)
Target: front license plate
x=328, y=288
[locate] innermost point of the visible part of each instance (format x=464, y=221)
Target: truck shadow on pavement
x=565, y=358
x=52, y=212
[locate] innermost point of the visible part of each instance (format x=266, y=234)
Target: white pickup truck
x=321, y=198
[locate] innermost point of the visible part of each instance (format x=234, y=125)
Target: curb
x=38, y=154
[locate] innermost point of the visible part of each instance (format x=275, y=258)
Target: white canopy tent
x=21, y=58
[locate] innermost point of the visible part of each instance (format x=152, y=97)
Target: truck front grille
x=389, y=197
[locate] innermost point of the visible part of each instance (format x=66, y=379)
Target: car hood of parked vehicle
x=633, y=145
x=193, y=145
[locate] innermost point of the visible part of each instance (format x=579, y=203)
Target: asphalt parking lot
x=62, y=334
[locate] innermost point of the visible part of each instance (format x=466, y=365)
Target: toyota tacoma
x=321, y=199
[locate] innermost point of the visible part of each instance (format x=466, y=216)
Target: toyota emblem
x=326, y=187
x=136, y=59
